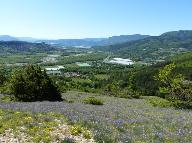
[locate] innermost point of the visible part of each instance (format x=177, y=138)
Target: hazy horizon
x=44, y=38
x=71, y=19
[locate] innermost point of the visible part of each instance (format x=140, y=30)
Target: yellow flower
x=17, y=112
x=49, y=129
x=28, y=118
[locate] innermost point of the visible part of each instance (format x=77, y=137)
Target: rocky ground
x=62, y=132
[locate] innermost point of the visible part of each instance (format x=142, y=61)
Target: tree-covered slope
x=154, y=47
x=144, y=78
x=11, y=47
x=183, y=64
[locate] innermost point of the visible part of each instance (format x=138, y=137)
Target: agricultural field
x=20, y=58
x=117, y=119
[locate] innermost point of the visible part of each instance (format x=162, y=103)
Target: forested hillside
x=143, y=79
x=12, y=47
x=153, y=48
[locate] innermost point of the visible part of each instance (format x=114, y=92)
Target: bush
x=93, y=100
x=6, y=98
x=33, y=84
x=135, y=94
x=5, y=89
x=158, y=102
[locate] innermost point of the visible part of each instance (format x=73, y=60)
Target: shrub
x=33, y=84
x=158, y=102
x=93, y=100
x=5, y=89
x=6, y=98
x=135, y=94
x=126, y=93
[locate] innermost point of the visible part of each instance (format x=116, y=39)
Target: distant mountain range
x=95, y=41
x=137, y=47
x=11, y=38
x=79, y=42
x=153, y=47
x=7, y=38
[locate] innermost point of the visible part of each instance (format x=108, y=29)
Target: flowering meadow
x=118, y=120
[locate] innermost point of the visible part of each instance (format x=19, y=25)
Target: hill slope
x=153, y=48
x=144, y=78
x=10, y=47
x=7, y=38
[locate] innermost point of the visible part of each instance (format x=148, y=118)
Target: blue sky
x=93, y=18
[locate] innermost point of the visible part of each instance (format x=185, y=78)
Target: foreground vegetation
x=117, y=120
x=40, y=127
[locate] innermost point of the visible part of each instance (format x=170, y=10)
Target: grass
x=158, y=102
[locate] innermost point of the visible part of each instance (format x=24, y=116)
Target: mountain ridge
x=167, y=44
x=10, y=47
x=79, y=42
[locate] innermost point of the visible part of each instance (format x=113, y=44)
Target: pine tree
x=33, y=84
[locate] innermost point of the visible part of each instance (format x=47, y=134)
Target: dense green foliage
x=174, y=87
x=144, y=80
x=167, y=80
x=2, y=77
x=32, y=84
x=183, y=64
